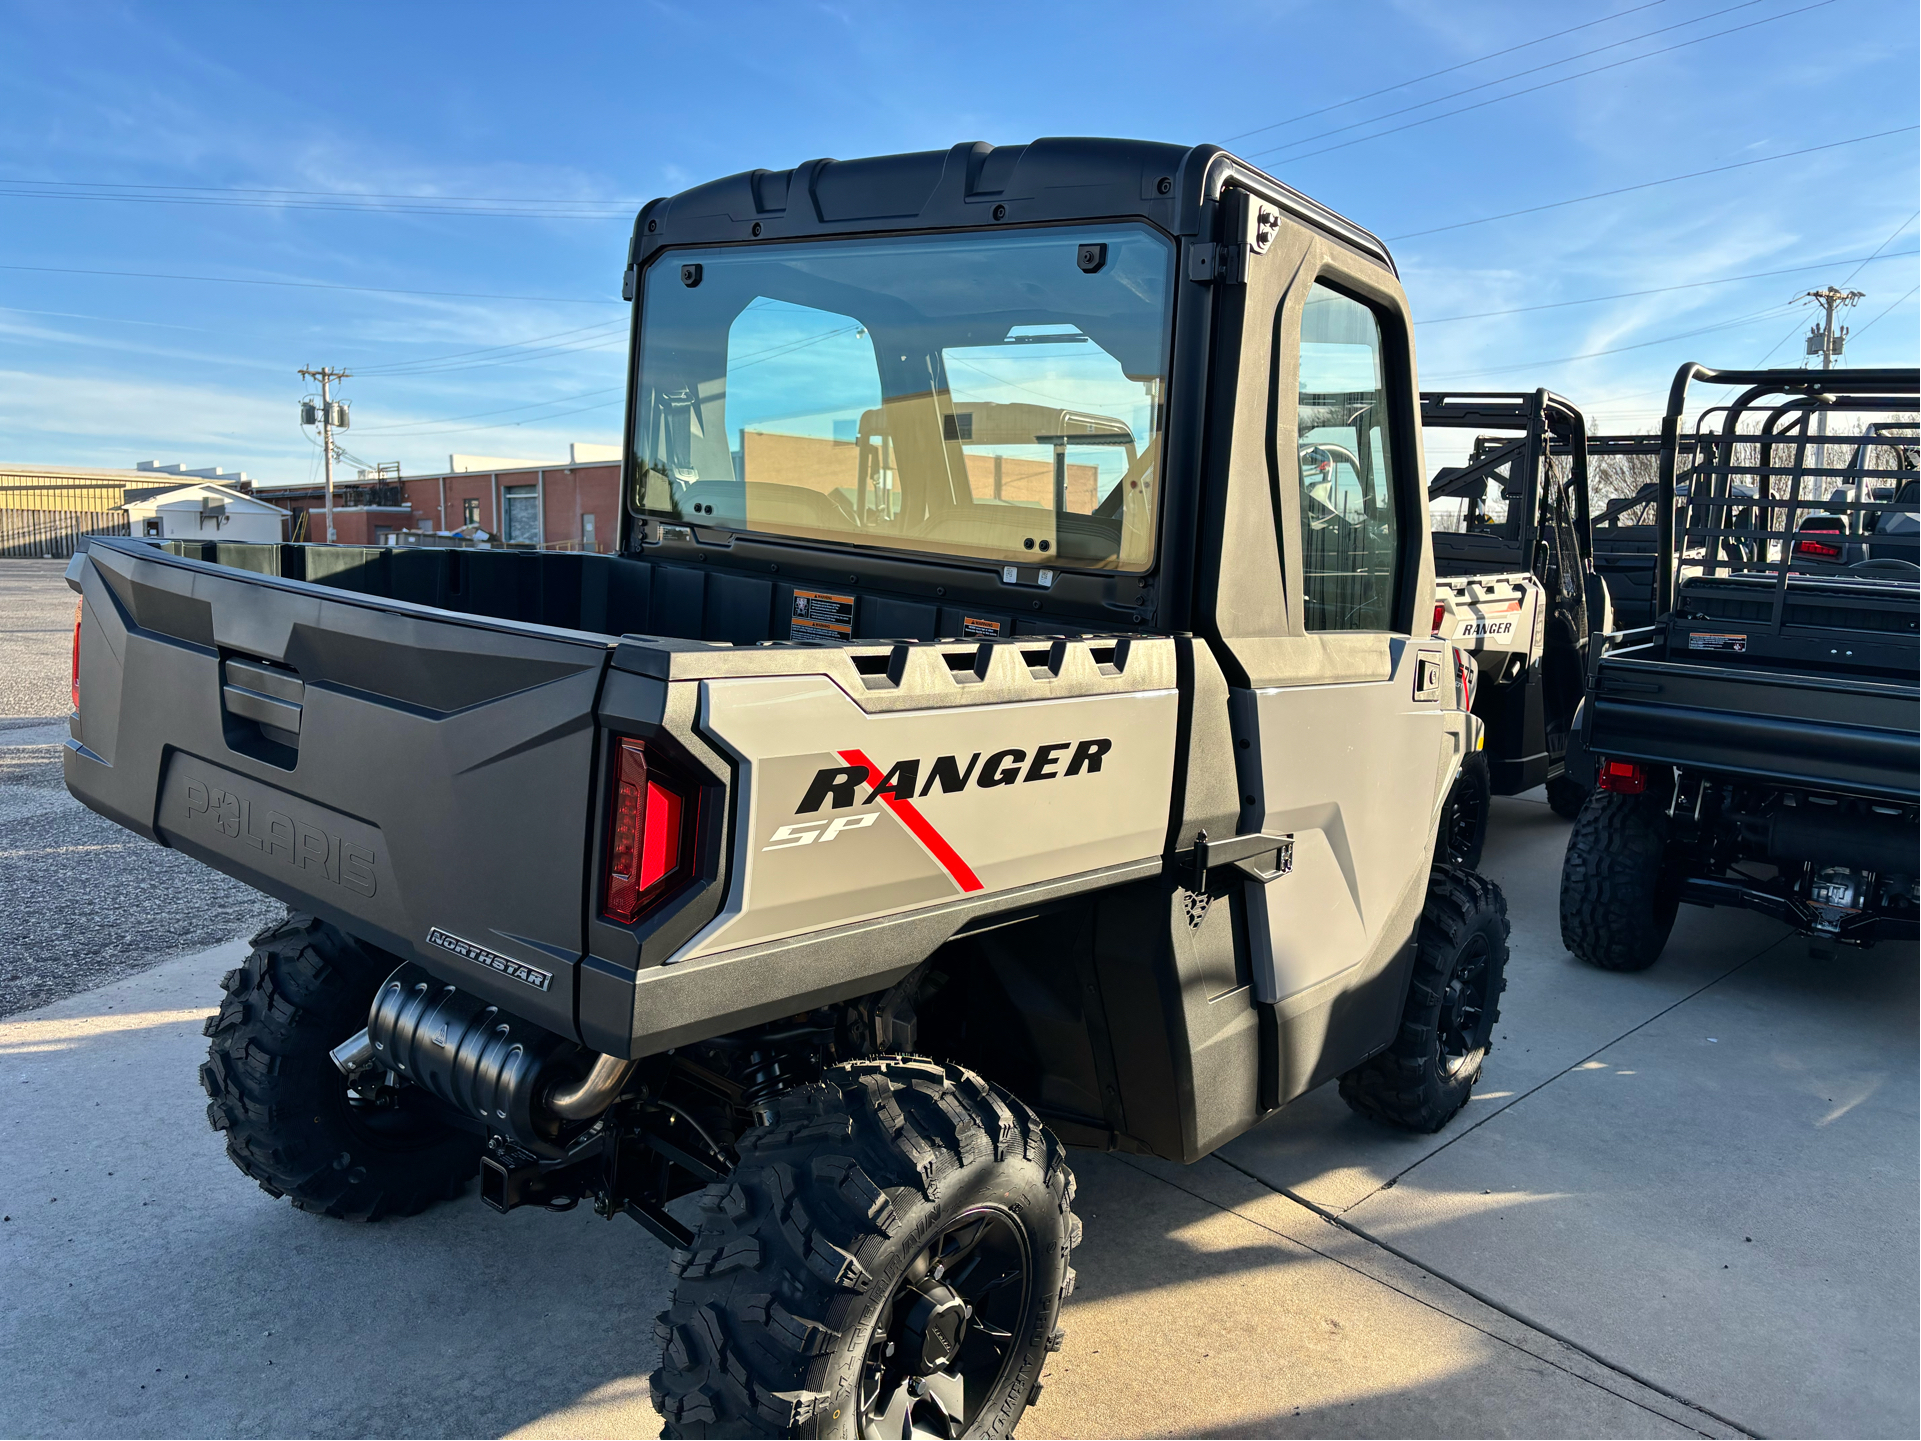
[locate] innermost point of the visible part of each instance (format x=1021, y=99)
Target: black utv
x=1757, y=744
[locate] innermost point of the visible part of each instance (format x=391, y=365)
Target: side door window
x=1349, y=504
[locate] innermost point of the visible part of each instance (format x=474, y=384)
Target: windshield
x=994, y=397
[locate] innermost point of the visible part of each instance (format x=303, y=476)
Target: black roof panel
x=976, y=185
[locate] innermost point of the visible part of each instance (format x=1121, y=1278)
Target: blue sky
x=271, y=126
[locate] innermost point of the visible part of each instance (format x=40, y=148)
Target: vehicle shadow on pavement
x=152, y=1290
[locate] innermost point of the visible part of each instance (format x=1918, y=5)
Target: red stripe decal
x=924, y=832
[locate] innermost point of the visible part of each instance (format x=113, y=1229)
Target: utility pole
x=330, y=417
x=1823, y=339
x=1827, y=342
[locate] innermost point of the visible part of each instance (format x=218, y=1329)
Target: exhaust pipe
x=519, y=1079
x=354, y=1055
x=594, y=1092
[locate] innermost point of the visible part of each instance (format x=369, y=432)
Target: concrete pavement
x=1549, y=1265
x=1706, y=1173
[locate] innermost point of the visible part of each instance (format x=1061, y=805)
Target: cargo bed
x=434, y=777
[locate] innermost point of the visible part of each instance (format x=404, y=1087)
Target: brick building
x=557, y=507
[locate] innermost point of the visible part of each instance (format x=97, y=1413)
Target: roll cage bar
x=1745, y=465
x=1550, y=425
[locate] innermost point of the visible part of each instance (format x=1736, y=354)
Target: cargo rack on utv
x=1757, y=743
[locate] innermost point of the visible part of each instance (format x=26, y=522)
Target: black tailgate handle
x=268, y=697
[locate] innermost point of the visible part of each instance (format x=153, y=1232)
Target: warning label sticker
x=974, y=625
x=1715, y=640
x=820, y=616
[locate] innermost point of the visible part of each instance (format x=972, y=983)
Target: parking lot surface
x=1682, y=1202
x=85, y=901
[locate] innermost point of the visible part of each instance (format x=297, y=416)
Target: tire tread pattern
x=1615, y=912
x=303, y=988
x=790, y=1243
x=1403, y=1086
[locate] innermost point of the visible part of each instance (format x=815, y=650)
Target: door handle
x=1258, y=855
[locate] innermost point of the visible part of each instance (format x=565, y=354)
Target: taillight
x=1624, y=778
x=650, y=840
x=76, y=655
x=1818, y=549
x=1440, y=611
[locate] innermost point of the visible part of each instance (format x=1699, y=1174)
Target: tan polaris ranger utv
x=987, y=738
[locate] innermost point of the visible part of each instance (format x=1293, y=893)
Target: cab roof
x=975, y=185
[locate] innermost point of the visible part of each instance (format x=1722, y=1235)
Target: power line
x=1518, y=75
x=541, y=352
x=1851, y=274
x=323, y=194
x=1448, y=70
x=1665, y=289
x=508, y=424
x=489, y=349
x=311, y=285
x=1550, y=84
x=1617, y=349
x=1884, y=314
x=504, y=410
x=577, y=212
x=1650, y=184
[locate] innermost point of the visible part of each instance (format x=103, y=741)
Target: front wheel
x=1453, y=1000
x=888, y=1259
x=1566, y=796
x=1464, y=815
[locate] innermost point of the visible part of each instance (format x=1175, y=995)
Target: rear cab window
x=983, y=397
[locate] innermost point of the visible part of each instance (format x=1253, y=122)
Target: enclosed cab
x=1013, y=717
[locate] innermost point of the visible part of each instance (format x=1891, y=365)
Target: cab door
x=1343, y=708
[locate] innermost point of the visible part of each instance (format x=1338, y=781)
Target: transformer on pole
x=330, y=415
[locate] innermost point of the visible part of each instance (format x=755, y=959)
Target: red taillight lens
x=1819, y=550
x=1624, y=778
x=649, y=838
x=1440, y=612
x=76, y=654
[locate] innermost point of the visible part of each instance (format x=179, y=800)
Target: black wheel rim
x=1462, y=1025
x=1457, y=826
x=950, y=1332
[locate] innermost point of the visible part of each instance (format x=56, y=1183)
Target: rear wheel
x=1464, y=815
x=888, y=1259
x=1618, y=902
x=1453, y=1001
x=1566, y=796
x=290, y=1121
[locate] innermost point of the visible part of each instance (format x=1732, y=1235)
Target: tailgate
x=1494, y=615
x=419, y=777
x=1849, y=735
